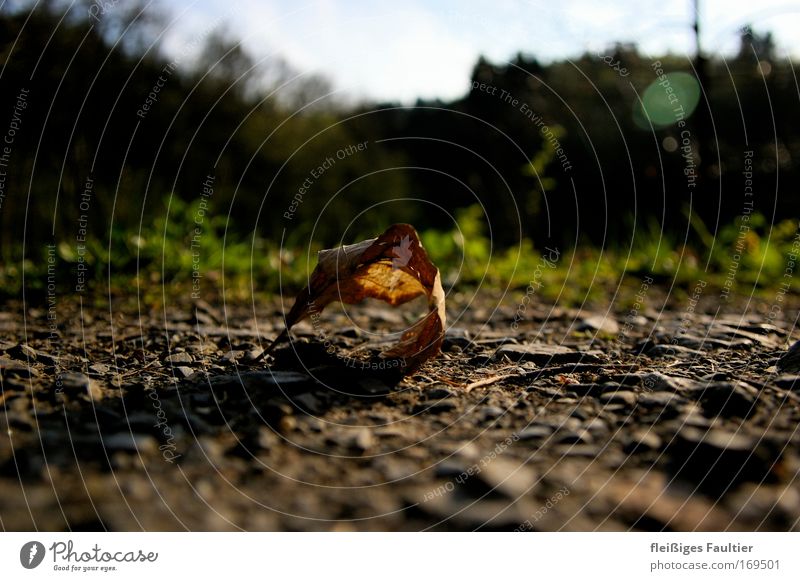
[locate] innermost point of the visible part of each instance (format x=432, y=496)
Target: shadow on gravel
x=87, y=422
x=301, y=379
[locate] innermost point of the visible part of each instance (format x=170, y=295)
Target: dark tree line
x=554, y=152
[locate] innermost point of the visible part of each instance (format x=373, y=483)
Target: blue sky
x=404, y=50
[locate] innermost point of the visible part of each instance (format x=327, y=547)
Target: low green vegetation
x=171, y=258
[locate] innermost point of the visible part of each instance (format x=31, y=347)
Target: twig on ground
x=486, y=381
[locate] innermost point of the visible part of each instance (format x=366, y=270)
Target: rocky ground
x=629, y=418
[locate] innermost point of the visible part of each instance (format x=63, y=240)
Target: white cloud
x=399, y=53
x=402, y=50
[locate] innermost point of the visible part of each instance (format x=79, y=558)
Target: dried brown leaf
x=394, y=268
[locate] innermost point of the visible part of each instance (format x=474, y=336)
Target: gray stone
x=762, y=334
x=790, y=361
x=435, y=393
x=637, y=320
x=544, y=354
x=9, y=368
x=591, y=388
x=508, y=477
x=253, y=354
x=726, y=399
x=283, y=379
x=126, y=442
x=184, y=372
x=596, y=426
x=46, y=358
x=489, y=413
x=566, y=400
x=74, y=380
x=23, y=352
x=673, y=351
x=362, y=439
x=359, y=439
x=558, y=423
x=535, y=432
x=660, y=399
x=456, y=337
x=717, y=460
x=435, y=407
x=716, y=376
x=372, y=386
x=660, y=382
x=706, y=343
x=695, y=419
x=449, y=469
x=141, y=420
x=99, y=368
x=788, y=382
x=177, y=358
x=569, y=437
x=578, y=450
x=621, y=397
x=640, y=440
x=308, y=402
x=719, y=439
x=627, y=379
x=21, y=421
x=605, y=324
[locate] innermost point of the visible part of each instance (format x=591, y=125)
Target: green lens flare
x=667, y=100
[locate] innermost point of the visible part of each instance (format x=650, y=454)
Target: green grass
x=159, y=261
x=757, y=253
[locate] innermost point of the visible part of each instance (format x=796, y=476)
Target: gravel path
x=605, y=419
